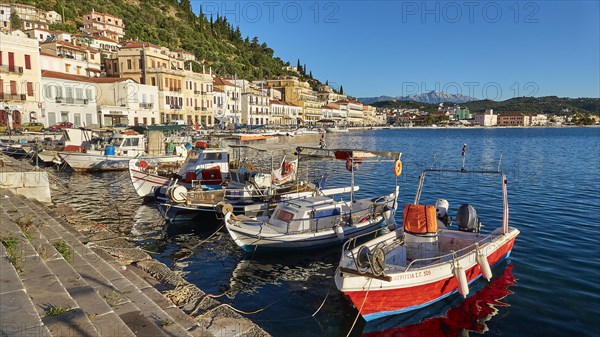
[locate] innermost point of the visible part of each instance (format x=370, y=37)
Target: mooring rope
x=361, y=307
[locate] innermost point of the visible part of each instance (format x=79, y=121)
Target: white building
x=68, y=98
x=486, y=119
x=227, y=105
x=285, y=113
x=335, y=113
x=539, y=120
x=124, y=101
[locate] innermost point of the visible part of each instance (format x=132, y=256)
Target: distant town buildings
x=95, y=77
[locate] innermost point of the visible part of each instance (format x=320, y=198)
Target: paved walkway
x=53, y=282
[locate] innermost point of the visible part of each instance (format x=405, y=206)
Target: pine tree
x=299, y=66
x=304, y=70
x=310, y=75
x=327, y=82
x=341, y=90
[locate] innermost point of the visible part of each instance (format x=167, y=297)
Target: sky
x=484, y=49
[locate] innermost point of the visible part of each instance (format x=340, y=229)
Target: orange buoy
x=397, y=168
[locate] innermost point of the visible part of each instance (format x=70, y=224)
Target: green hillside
x=550, y=105
x=171, y=23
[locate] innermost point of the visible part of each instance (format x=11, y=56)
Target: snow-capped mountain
x=428, y=97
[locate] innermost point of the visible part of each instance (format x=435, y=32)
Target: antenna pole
x=500, y=161
x=464, y=151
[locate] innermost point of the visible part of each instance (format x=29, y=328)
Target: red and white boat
x=426, y=260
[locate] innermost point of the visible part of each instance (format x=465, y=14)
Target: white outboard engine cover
x=441, y=207
x=467, y=219
x=441, y=211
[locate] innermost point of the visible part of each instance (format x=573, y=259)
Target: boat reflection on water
x=470, y=315
x=251, y=275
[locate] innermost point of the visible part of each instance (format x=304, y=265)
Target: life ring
x=397, y=168
x=349, y=165
x=142, y=164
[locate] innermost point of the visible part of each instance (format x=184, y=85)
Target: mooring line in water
x=246, y=312
x=327, y=295
x=361, y=307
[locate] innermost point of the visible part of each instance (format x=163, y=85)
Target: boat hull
x=83, y=162
x=421, y=287
x=250, y=242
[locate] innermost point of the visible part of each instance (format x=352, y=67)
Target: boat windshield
x=116, y=141
x=193, y=156
x=283, y=215
x=212, y=156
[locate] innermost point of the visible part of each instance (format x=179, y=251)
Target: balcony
x=197, y=92
x=198, y=108
x=71, y=100
x=11, y=69
x=146, y=105
x=13, y=97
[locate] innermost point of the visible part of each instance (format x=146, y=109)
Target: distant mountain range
x=432, y=97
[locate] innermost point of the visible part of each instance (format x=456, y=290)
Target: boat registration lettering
x=407, y=276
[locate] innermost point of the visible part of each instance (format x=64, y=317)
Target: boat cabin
x=201, y=158
x=311, y=214
x=126, y=145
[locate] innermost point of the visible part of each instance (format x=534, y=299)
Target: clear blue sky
x=495, y=50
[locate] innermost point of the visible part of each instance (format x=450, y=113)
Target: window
x=59, y=93
x=0, y=57
x=69, y=91
x=153, y=81
x=27, y=62
x=79, y=93
x=78, y=70
x=30, y=89
x=13, y=87
x=128, y=64
x=67, y=68
x=88, y=94
x=92, y=56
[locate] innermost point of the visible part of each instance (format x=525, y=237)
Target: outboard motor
x=441, y=211
x=467, y=219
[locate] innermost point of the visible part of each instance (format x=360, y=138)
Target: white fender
x=461, y=278
x=339, y=231
x=390, y=221
x=484, y=265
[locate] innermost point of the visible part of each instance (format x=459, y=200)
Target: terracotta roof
x=222, y=81
x=43, y=53
x=103, y=38
x=139, y=45
x=79, y=78
x=218, y=90
x=282, y=102
x=42, y=29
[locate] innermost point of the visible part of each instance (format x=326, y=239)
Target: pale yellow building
x=20, y=79
x=300, y=93
x=198, y=98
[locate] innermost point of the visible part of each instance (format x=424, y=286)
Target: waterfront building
x=514, y=119
x=227, y=103
x=539, y=120
x=370, y=115
x=105, y=45
x=19, y=79
x=354, y=110
x=124, y=101
x=334, y=113
x=256, y=103
x=486, y=119
x=65, y=57
x=462, y=114
x=102, y=24
x=285, y=113
x=67, y=98
x=301, y=94
x=198, y=98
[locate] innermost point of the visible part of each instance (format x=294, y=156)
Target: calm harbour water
x=549, y=288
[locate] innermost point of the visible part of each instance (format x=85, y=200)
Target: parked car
x=33, y=126
x=119, y=126
x=60, y=126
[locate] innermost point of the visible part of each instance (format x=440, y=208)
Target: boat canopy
x=345, y=154
x=265, y=147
